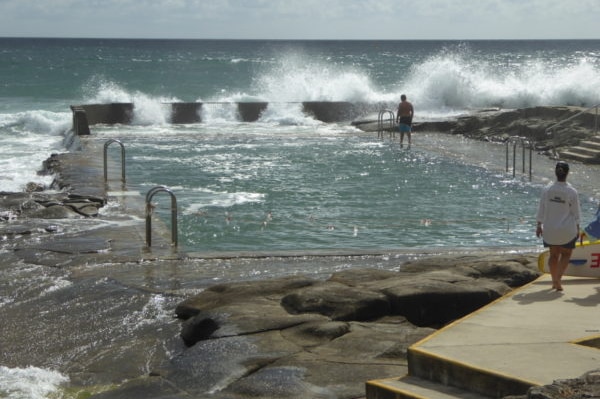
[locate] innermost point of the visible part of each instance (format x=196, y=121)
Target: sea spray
x=462, y=80
x=29, y=383
x=296, y=78
x=26, y=138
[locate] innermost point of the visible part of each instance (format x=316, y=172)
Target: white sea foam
x=219, y=113
x=459, y=80
x=222, y=200
x=154, y=311
x=29, y=383
x=149, y=110
x=26, y=140
x=58, y=284
x=287, y=114
x=296, y=78
x=446, y=83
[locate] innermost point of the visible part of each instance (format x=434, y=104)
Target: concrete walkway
x=533, y=336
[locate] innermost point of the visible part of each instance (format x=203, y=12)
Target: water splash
x=25, y=139
x=29, y=383
x=462, y=80
x=448, y=82
x=296, y=77
x=149, y=110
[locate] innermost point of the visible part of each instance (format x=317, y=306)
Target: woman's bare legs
x=558, y=263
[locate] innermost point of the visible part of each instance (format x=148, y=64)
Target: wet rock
x=54, y=212
x=298, y=337
x=152, y=387
x=225, y=294
x=31, y=206
x=499, y=125
x=33, y=187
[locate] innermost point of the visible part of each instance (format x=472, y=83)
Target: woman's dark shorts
x=569, y=245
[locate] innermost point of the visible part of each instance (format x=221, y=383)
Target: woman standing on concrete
x=558, y=222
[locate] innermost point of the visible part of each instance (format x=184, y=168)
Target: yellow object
x=585, y=260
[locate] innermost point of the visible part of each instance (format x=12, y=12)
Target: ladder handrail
x=380, y=120
x=549, y=129
x=109, y=142
x=149, y=209
x=524, y=142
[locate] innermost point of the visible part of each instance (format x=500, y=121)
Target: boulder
x=49, y=206
x=338, y=302
x=299, y=337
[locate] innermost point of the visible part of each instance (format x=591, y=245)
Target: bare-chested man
x=404, y=118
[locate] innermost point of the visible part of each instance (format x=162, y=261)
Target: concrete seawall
x=182, y=113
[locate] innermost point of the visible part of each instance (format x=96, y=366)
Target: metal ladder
x=149, y=211
x=525, y=143
x=386, y=116
x=109, y=142
x=149, y=195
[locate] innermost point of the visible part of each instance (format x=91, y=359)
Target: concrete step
x=584, y=150
x=504, y=348
x=578, y=156
x=595, y=139
x=430, y=376
x=590, y=144
x=409, y=387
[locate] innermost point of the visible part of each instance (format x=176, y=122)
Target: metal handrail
x=524, y=143
x=380, y=120
x=549, y=129
x=109, y=142
x=149, y=211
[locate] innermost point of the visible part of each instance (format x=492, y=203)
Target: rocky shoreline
x=552, y=131
x=294, y=336
x=331, y=336
x=535, y=124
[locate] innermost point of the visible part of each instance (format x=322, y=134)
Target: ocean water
x=287, y=181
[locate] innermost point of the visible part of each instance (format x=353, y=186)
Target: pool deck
x=530, y=337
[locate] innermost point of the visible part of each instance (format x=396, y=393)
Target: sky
x=302, y=19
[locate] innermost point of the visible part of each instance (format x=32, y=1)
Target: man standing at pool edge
x=558, y=222
x=404, y=119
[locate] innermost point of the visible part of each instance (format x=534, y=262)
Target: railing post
x=514, y=158
x=530, y=161
x=507, y=144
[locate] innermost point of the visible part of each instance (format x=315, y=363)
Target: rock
x=297, y=337
x=49, y=206
x=536, y=124
x=514, y=270
x=54, y=212
x=225, y=294
x=532, y=123
x=338, y=302
x=584, y=387
x=32, y=187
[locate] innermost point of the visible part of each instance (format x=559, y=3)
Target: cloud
x=309, y=19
